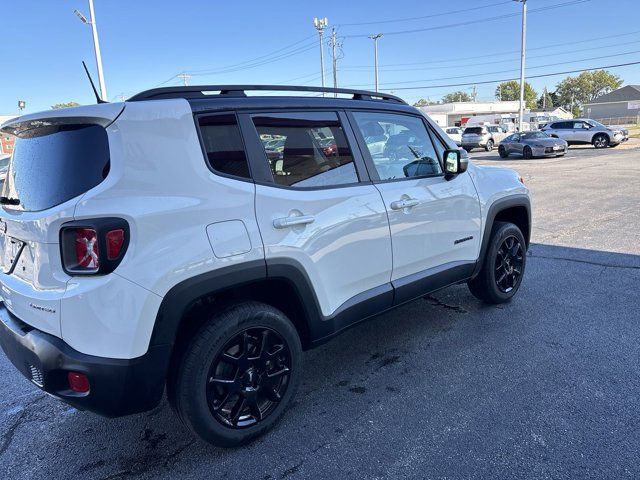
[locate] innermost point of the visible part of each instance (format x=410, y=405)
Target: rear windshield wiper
x=9, y=201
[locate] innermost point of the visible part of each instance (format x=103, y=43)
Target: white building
x=458, y=113
x=501, y=113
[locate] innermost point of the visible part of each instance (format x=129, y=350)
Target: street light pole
x=96, y=46
x=321, y=24
x=522, y=61
x=375, y=54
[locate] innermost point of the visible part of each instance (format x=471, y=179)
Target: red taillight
x=87, y=250
x=94, y=246
x=115, y=241
x=78, y=382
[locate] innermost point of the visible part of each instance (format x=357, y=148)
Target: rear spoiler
x=103, y=114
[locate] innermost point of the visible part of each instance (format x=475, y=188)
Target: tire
x=527, y=153
x=489, y=146
x=468, y=149
x=600, y=141
x=488, y=285
x=502, y=152
x=253, y=352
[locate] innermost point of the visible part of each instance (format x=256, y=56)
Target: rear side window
x=306, y=149
x=223, y=145
x=54, y=164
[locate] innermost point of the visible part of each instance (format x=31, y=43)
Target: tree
x=423, y=103
x=545, y=100
x=459, y=96
x=510, y=90
x=64, y=105
x=586, y=87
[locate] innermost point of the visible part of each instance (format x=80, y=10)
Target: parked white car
x=126, y=273
x=455, y=134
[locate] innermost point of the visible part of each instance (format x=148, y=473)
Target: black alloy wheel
x=503, y=266
x=238, y=374
x=508, y=264
x=527, y=153
x=248, y=378
x=502, y=152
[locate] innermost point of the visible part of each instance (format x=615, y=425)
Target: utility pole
x=96, y=45
x=321, y=24
x=474, y=93
x=522, y=61
x=185, y=78
x=334, y=44
x=375, y=55
x=544, y=99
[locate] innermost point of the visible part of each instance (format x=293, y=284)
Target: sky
x=425, y=43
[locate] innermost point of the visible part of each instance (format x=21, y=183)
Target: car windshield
x=529, y=135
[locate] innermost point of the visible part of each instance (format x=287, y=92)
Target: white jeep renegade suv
x=200, y=239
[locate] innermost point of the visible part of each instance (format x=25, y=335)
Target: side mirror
x=454, y=163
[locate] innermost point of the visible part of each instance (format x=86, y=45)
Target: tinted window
x=474, y=130
x=399, y=145
x=531, y=135
x=54, y=164
x=313, y=152
x=223, y=145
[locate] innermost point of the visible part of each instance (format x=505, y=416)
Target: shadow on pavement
x=445, y=386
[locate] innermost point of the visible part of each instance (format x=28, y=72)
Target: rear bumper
x=118, y=387
x=479, y=144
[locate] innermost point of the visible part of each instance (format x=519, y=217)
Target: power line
x=261, y=57
x=282, y=56
x=407, y=19
x=457, y=59
x=470, y=22
x=495, y=61
x=485, y=82
x=473, y=75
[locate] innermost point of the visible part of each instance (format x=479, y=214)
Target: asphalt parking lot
x=445, y=387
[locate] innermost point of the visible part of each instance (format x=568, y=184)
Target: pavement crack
x=23, y=417
x=588, y=262
x=292, y=470
x=438, y=303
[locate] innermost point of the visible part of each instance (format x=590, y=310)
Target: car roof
x=224, y=97
x=286, y=102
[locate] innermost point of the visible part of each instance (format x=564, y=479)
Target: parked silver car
x=532, y=144
x=587, y=131
x=482, y=136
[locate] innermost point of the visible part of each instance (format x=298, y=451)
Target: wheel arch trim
x=502, y=204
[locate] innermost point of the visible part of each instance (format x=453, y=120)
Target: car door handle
x=406, y=203
x=286, y=222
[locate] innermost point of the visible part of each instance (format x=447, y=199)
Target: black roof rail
x=200, y=91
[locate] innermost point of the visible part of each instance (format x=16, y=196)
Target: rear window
x=223, y=145
x=54, y=164
x=476, y=130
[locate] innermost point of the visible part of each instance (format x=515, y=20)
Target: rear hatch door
x=58, y=156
